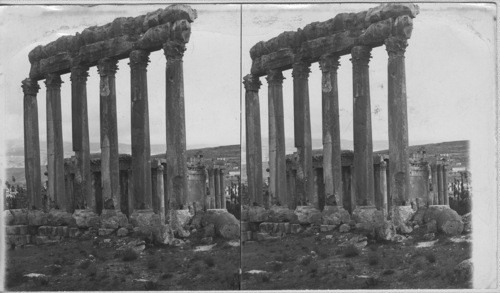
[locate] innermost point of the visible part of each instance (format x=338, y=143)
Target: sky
x=450, y=79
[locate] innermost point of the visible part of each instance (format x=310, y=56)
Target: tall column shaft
x=332, y=166
x=383, y=187
x=176, y=126
x=434, y=184
x=253, y=139
x=211, y=184
x=84, y=198
x=141, y=149
x=399, y=165
x=55, y=152
x=277, y=159
x=110, y=171
x=32, y=144
x=440, y=184
x=302, y=132
x=445, y=185
x=363, y=146
x=222, y=190
x=160, y=192
x=217, y=188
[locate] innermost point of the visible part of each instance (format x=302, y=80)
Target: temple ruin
x=113, y=185
x=325, y=42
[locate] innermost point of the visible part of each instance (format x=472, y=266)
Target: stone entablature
x=114, y=40
x=335, y=36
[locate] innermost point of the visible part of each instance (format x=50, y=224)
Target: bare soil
x=315, y=262
x=95, y=264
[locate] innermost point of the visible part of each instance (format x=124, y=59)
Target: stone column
x=110, y=171
x=141, y=149
x=332, y=166
x=253, y=139
x=399, y=166
x=383, y=186
x=176, y=125
x=55, y=152
x=222, y=190
x=217, y=188
x=434, y=184
x=302, y=133
x=160, y=192
x=277, y=159
x=440, y=184
x=84, y=198
x=445, y=185
x=363, y=147
x=32, y=168
x=211, y=184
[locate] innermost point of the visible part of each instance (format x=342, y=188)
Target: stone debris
x=426, y=244
x=464, y=269
x=308, y=215
x=35, y=275
x=256, y=272
x=234, y=243
x=204, y=248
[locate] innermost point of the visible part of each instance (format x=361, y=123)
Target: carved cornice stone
x=139, y=59
x=329, y=62
x=53, y=81
x=275, y=77
x=30, y=87
x=395, y=46
x=300, y=70
x=361, y=55
x=107, y=67
x=251, y=82
x=174, y=50
x=79, y=73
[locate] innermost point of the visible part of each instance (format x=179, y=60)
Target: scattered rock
x=225, y=224
x=105, y=232
x=428, y=236
x=398, y=238
x=209, y=230
x=344, y=228
x=135, y=244
x=258, y=214
x=16, y=217
x=122, y=232
x=387, y=231
x=308, y=215
x=448, y=221
x=60, y=218
x=37, y=218
x=464, y=270
x=334, y=215
x=329, y=237
x=206, y=240
x=295, y=228
x=86, y=219
x=177, y=242
x=280, y=214
x=327, y=228
x=401, y=218
x=112, y=219
x=204, y=248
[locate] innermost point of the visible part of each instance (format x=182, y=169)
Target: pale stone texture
x=60, y=218
x=401, y=217
x=308, y=215
x=37, y=218
x=344, y=228
x=225, y=224
x=464, y=269
x=86, y=219
x=257, y=214
x=282, y=214
x=447, y=220
x=112, y=219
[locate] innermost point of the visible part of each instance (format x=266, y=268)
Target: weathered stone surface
x=225, y=224
x=308, y=215
x=73, y=232
x=464, y=270
x=16, y=230
x=344, y=228
x=105, y=232
x=386, y=232
x=296, y=228
x=466, y=219
x=428, y=236
x=258, y=214
x=86, y=219
x=209, y=230
x=244, y=213
x=145, y=218
x=112, y=219
x=368, y=218
x=385, y=11
x=281, y=214
x=60, y=218
x=16, y=217
x=431, y=226
x=244, y=226
x=401, y=218
x=327, y=228
x=135, y=244
x=17, y=240
x=37, y=218
x=179, y=219
x=398, y=238
x=447, y=220
x=122, y=232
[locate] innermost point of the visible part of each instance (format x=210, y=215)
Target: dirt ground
x=318, y=261
x=95, y=264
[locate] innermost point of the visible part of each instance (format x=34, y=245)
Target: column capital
x=395, y=46
x=139, y=59
x=79, y=73
x=301, y=70
x=274, y=77
x=361, y=55
x=329, y=62
x=251, y=82
x=174, y=50
x=53, y=80
x=107, y=67
x=161, y=168
x=30, y=87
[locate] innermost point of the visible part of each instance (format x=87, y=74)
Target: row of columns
x=439, y=177
x=216, y=188
x=363, y=147
x=141, y=154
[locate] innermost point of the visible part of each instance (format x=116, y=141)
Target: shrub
x=129, y=255
x=351, y=251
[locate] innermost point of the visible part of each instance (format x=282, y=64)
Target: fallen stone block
x=296, y=228
x=464, y=270
x=258, y=214
x=280, y=214
x=105, y=232
x=17, y=240
x=287, y=227
x=73, y=232
x=37, y=218
x=244, y=226
x=225, y=224
x=344, y=228
x=60, y=218
x=16, y=217
x=122, y=232
x=308, y=215
x=86, y=219
x=327, y=228
x=16, y=230
x=113, y=219
x=447, y=220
